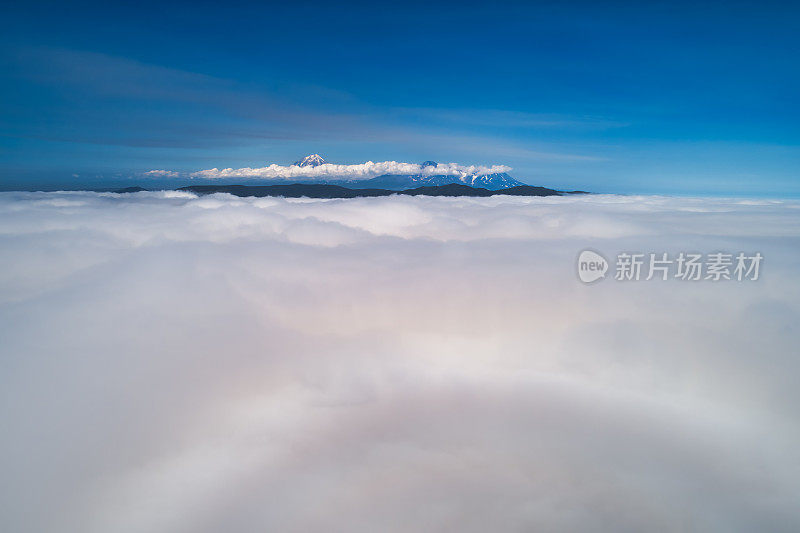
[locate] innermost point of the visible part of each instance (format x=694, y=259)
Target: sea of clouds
x=174, y=363
x=361, y=171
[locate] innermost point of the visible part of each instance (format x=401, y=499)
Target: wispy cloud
x=502, y=118
x=121, y=101
x=117, y=76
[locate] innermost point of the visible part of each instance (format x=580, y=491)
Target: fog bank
x=174, y=363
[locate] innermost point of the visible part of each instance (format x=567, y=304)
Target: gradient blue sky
x=685, y=98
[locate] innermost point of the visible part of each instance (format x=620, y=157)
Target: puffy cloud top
x=162, y=173
x=361, y=171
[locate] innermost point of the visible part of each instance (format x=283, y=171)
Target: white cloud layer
x=162, y=173
x=174, y=363
x=362, y=171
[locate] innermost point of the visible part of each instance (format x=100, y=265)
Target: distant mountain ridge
x=327, y=190
x=397, y=182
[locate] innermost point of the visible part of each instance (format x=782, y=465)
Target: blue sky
x=677, y=98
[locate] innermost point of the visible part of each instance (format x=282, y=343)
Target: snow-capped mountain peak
x=433, y=174
x=312, y=160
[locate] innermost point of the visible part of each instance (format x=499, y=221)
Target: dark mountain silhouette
x=129, y=189
x=451, y=189
x=322, y=190
x=295, y=190
x=530, y=190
